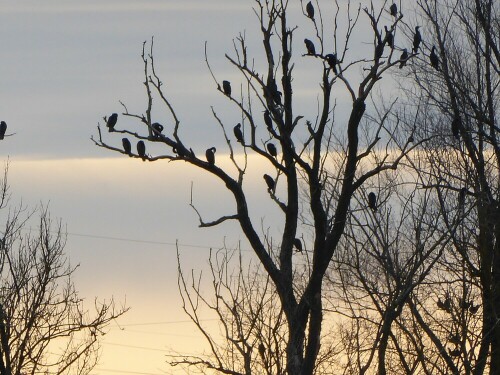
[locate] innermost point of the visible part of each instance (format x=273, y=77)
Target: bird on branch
x=127, y=147
x=111, y=122
x=238, y=134
x=210, y=154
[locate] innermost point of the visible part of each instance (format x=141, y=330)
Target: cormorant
x=298, y=244
x=268, y=120
x=434, y=59
x=158, y=128
x=389, y=38
x=446, y=305
x=379, y=49
x=310, y=47
x=3, y=129
x=127, y=147
x=403, y=58
x=210, y=154
x=461, y=198
x=262, y=351
x=141, y=150
x=393, y=10
x=474, y=309
x=238, y=134
x=455, y=127
x=417, y=38
x=372, y=201
x=310, y=10
x=269, y=182
x=455, y=352
x=455, y=338
x=112, y=122
x=226, y=86
x=331, y=58
x=272, y=150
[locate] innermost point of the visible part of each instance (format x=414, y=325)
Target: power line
x=165, y=322
x=126, y=372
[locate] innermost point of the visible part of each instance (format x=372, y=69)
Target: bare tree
x=44, y=326
x=298, y=163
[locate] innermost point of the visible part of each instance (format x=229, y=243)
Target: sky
x=67, y=63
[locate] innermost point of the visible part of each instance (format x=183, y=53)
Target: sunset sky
x=65, y=64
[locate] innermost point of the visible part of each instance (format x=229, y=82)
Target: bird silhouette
x=331, y=59
x=446, y=305
x=372, y=201
x=268, y=120
x=417, y=38
x=474, y=309
x=3, y=129
x=434, y=59
x=141, y=150
x=403, y=58
x=158, y=128
x=226, y=87
x=127, y=147
x=210, y=154
x=270, y=183
x=393, y=9
x=455, y=127
x=298, y=244
x=111, y=122
x=237, y=133
x=379, y=49
x=389, y=37
x=455, y=338
x=455, y=352
x=461, y=198
x=262, y=351
x=311, y=50
x=310, y=10
x=272, y=149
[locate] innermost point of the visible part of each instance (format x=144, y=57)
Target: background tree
x=298, y=164
x=44, y=326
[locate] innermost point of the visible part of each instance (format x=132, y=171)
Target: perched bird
x=455, y=127
x=141, y=150
x=226, y=86
x=270, y=183
x=127, y=147
x=331, y=59
x=272, y=150
x=310, y=10
x=461, y=198
x=474, y=309
x=372, y=201
x=446, y=305
x=262, y=351
x=403, y=58
x=455, y=352
x=455, y=338
x=3, y=129
x=393, y=10
x=268, y=120
x=310, y=47
x=434, y=59
x=111, y=122
x=210, y=154
x=464, y=304
x=238, y=134
x=298, y=244
x=389, y=37
x=417, y=38
x=158, y=128
x=379, y=49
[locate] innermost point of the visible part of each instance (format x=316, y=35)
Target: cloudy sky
x=67, y=63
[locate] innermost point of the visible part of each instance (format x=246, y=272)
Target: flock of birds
x=388, y=40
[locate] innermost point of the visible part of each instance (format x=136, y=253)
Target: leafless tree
x=44, y=325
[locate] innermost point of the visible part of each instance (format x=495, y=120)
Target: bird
x=310, y=10
x=226, y=86
x=455, y=127
x=446, y=305
x=310, y=47
x=141, y=150
x=3, y=129
x=262, y=351
x=474, y=309
x=389, y=38
x=127, y=147
x=158, y=128
x=403, y=58
x=461, y=198
x=111, y=122
x=298, y=244
x=269, y=182
x=372, y=201
x=455, y=338
x=237, y=133
x=268, y=120
x=455, y=352
x=272, y=149
x=417, y=38
x=393, y=10
x=379, y=49
x=210, y=154
x=331, y=59
x=434, y=59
